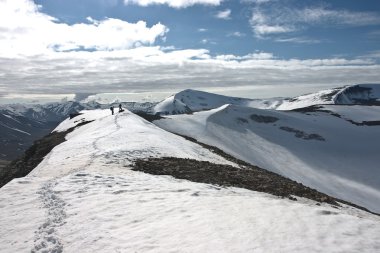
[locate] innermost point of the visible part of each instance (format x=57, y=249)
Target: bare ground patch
x=251, y=178
x=246, y=176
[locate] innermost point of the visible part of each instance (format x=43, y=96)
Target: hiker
x=120, y=109
x=111, y=108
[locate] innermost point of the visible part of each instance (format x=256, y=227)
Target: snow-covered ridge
x=318, y=98
x=327, y=149
x=360, y=94
x=85, y=184
x=189, y=101
x=37, y=120
x=366, y=94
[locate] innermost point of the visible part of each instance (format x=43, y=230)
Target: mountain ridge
x=87, y=183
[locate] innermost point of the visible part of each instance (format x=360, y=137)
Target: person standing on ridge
x=120, y=109
x=111, y=108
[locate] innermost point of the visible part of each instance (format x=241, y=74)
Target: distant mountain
x=21, y=124
x=360, y=94
x=189, y=101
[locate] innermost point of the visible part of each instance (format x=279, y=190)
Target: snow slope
x=335, y=155
x=363, y=94
x=83, y=197
x=21, y=124
x=318, y=98
x=367, y=94
x=189, y=101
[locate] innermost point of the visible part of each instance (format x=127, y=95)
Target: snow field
x=343, y=164
x=130, y=211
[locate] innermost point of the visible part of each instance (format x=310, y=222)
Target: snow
x=171, y=106
x=193, y=101
x=85, y=115
x=317, y=98
x=83, y=197
x=357, y=113
x=358, y=94
x=117, y=210
x=317, y=149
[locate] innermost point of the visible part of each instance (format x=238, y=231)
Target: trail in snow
x=46, y=238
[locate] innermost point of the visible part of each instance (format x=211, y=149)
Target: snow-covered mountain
x=84, y=197
x=21, y=124
x=365, y=94
x=189, y=101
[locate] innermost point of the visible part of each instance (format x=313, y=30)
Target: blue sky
x=322, y=37
x=286, y=47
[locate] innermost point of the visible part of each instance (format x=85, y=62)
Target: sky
x=152, y=48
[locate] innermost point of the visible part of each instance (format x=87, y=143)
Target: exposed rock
x=263, y=118
x=302, y=135
x=252, y=178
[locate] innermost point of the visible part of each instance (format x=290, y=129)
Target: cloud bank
x=173, y=3
x=272, y=18
x=153, y=69
x=41, y=55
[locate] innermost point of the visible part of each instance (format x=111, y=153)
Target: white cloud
x=299, y=40
x=154, y=69
x=236, y=34
x=278, y=18
x=253, y=56
x=261, y=30
x=204, y=41
x=262, y=24
x=30, y=65
x=226, y=14
x=342, y=17
x=202, y=30
x=256, y=1
x=207, y=41
x=174, y=3
x=25, y=30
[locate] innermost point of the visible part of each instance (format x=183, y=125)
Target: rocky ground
x=246, y=176
x=251, y=177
